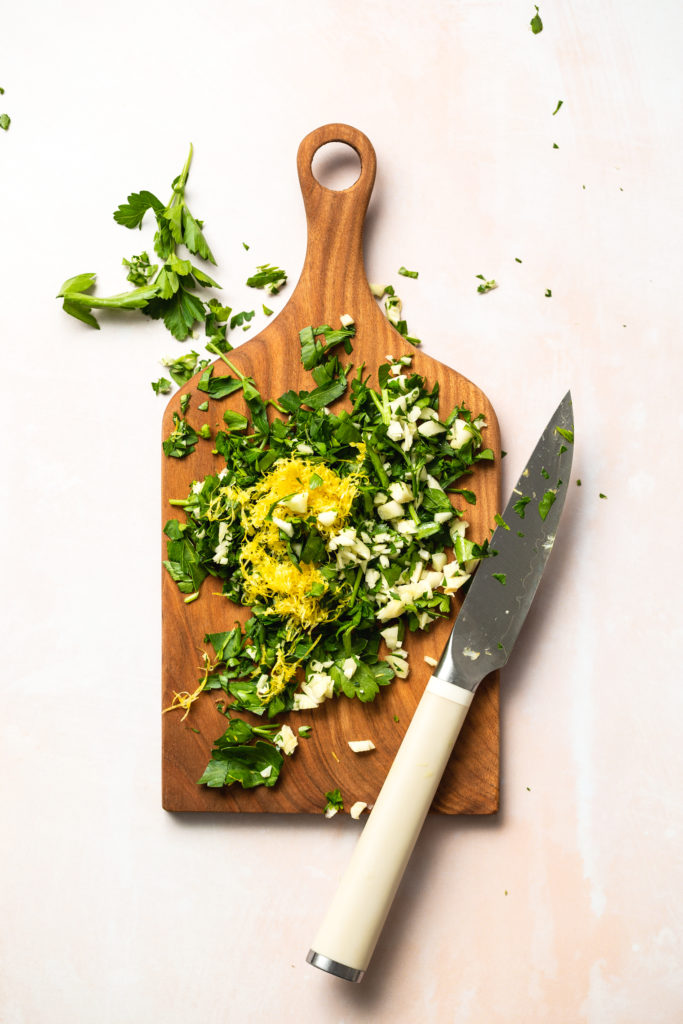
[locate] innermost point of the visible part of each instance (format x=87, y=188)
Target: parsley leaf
x=239, y=319
x=161, y=386
x=334, y=801
x=270, y=278
x=568, y=435
x=520, y=506
x=5, y=122
x=182, y=368
x=486, y=286
x=181, y=441
x=536, y=23
x=131, y=214
x=500, y=576
x=546, y=503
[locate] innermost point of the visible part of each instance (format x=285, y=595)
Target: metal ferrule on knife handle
x=349, y=933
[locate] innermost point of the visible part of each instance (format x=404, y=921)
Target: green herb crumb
x=546, y=503
x=536, y=23
x=485, y=286
x=334, y=803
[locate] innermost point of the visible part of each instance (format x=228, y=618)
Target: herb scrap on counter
x=334, y=803
x=268, y=277
x=536, y=23
x=393, y=308
x=334, y=528
x=485, y=286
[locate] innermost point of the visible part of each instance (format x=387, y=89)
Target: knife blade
x=482, y=638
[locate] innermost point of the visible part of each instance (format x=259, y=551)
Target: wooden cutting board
x=332, y=283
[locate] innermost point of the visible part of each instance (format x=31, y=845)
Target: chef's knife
x=483, y=636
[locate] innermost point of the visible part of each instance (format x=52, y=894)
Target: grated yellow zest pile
x=270, y=577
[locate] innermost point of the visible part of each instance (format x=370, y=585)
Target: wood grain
x=332, y=283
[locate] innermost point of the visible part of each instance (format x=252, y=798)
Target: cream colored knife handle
x=347, y=938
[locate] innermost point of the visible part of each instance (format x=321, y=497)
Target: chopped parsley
x=5, y=122
x=334, y=528
x=500, y=521
x=546, y=503
x=240, y=319
x=267, y=312
x=181, y=441
x=548, y=293
x=408, y=273
x=500, y=576
x=334, y=802
x=602, y=495
x=536, y=23
x=520, y=506
x=486, y=286
x=568, y=435
x=268, y=277
x=161, y=386
x=184, y=367
x=559, y=104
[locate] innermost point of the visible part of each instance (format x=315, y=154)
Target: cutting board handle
x=334, y=250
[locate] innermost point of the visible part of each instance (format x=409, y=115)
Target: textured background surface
x=562, y=907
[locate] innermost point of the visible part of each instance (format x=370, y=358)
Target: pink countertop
x=563, y=907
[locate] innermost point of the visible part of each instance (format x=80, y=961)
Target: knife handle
x=347, y=938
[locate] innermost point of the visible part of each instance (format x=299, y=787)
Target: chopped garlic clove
x=349, y=668
x=283, y=525
x=357, y=809
x=390, y=510
x=298, y=503
x=286, y=740
x=361, y=746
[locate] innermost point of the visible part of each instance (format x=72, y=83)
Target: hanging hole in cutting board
x=336, y=166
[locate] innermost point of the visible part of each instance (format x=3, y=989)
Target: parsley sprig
x=164, y=291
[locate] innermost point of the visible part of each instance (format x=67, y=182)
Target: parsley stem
x=413, y=514
x=374, y=458
x=182, y=180
x=356, y=585
x=240, y=376
x=377, y=402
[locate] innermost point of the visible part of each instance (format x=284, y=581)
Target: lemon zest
x=184, y=699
